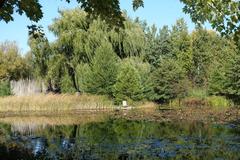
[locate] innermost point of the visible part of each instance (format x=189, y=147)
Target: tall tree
x=103, y=71
x=128, y=86
x=71, y=30
x=158, y=44
x=12, y=64
x=181, y=45
x=165, y=79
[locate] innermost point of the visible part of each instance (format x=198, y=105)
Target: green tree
x=71, y=30
x=232, y=79
x=78, y=38
x=128, y=86
x=144, y=70
x=12, y=65
x=201, y=55
x=181, y=45
x=158, y=44
x=217, y=81
x=66, y=84
x=104, y=68
x=108, y=10
x=41, y=54
x=165, y=78
x=223, y=51
x=129, y=40
x=222, y=15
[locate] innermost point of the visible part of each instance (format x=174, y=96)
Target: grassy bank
x=55, y=103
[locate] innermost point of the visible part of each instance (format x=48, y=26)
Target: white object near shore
x=124, y=103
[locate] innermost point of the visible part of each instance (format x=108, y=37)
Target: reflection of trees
x=121, y=138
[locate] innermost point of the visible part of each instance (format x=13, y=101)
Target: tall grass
x=54, y=103
x=198, y=97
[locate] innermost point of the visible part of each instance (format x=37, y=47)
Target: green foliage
x=222, y=15
x=5, y=88
x=219, y=102
x=12, y=65
x=232, y=79
x=132, y=63
x=83, y=74
x=197, y=93
x=74, y=28
x=144, y=70
x=128, y=86
x=31, y=8
x=66, y=84
x=103, y=71
x=181, y=45
x=217, y=81
x=165, y=78
x=41, y=52
x=158, y=45
x=201, y=49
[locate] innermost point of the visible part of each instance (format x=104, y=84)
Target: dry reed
x=54, y=103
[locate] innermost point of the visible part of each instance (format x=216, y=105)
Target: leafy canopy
x=33, y=9
x=223, y=15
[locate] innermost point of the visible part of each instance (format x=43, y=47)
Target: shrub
x=219, y=102
x=212, y=101
x=5, y=89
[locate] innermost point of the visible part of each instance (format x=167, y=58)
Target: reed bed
x=55, y=103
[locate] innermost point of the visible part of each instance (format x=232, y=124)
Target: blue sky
x=159, y=12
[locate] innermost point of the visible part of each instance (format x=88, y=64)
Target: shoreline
x=203, y=114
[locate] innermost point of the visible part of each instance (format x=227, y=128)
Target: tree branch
x=2, y=3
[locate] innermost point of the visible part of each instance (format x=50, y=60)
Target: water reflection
x=118, y=139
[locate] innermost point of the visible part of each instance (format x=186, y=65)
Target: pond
x=40, y=138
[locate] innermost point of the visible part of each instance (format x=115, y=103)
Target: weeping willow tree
x=78, y=38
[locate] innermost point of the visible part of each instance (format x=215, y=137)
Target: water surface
x=41, y=138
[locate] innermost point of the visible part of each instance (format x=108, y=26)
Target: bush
x=212, y=101
x=5, y=89
x=128, y=86
x=219, y=102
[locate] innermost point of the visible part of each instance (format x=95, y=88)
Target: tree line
x=135, y=62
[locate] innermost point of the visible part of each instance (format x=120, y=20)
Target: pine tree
x=233, y=79
x=128, y=86
x=104, y=68
x=165, y=79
